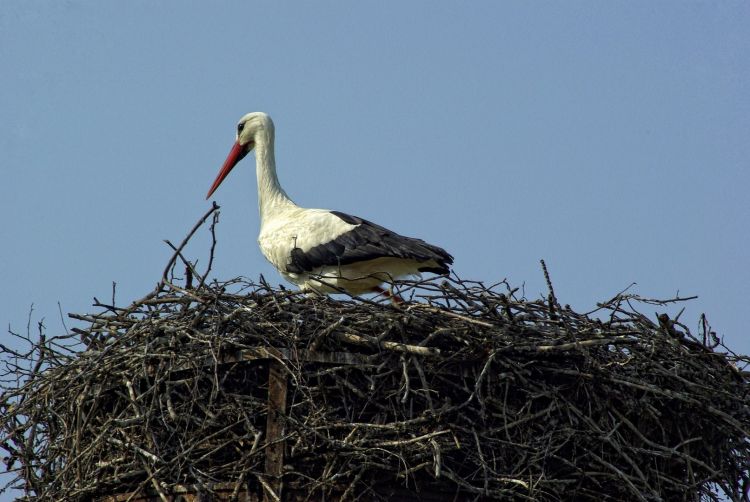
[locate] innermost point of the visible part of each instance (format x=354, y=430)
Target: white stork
x=317, y=249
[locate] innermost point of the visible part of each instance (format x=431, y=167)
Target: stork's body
x=318, y=249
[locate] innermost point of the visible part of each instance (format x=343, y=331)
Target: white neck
x=271, y=197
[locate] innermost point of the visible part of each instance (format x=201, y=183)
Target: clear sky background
x=611, y=139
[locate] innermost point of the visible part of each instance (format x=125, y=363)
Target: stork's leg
x=396, y=299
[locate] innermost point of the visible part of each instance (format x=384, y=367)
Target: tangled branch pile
x=463, y=392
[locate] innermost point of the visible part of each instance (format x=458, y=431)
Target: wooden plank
x=277, y=390
x=266, y=353
x=186, y=493
x=294, y=355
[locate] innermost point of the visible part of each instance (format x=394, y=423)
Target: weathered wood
x=187, y=493
x=298, y=355
x=277, y=389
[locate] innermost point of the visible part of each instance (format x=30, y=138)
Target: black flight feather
x=367, y=241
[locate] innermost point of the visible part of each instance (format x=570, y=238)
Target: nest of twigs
x=464, y=392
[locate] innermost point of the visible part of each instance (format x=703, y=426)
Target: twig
x=467, y=389
x=214, y=207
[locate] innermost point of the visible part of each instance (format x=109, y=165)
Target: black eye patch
x=240, y=126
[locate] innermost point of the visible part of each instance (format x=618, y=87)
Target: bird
x=319, y=250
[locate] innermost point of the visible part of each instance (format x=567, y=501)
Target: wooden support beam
x=277, y=390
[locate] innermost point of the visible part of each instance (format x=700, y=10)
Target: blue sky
x=609, y=138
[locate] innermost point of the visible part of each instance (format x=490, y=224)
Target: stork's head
x=252, y=128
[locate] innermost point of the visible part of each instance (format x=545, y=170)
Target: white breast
x=296, y=227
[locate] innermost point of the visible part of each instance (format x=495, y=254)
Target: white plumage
x=318, y=249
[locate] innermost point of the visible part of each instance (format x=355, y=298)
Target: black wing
x=368, y=241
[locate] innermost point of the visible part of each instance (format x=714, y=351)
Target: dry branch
x=465, y=391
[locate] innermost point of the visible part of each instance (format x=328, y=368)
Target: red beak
x=237, y=153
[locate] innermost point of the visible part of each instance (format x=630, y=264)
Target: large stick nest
x=463, y=392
